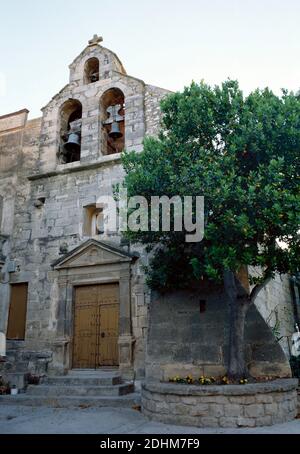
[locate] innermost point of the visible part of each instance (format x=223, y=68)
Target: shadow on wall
x=188, y=334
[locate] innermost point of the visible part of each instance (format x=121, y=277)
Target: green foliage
x=243, y=155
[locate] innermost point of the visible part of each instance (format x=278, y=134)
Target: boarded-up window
x=17, y=312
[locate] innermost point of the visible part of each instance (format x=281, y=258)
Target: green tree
x=242, y=154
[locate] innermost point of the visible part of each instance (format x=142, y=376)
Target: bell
x=115, y=132
x=73, y=144
x=95, y=77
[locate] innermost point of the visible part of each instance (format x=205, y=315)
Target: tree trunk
x=238, y=306
x=237, y=367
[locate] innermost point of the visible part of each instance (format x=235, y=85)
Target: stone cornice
x=107, y=160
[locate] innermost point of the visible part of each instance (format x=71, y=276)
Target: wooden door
x=17, y=312
x=96, y=326
x=109, y=325
x=85, y=328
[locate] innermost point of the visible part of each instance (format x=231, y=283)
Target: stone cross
x=95, y=40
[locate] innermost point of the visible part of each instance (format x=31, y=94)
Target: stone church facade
x=72, y=296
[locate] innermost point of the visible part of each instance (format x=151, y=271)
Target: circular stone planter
x=252, y=405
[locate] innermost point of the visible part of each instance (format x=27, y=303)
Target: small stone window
x=70, y=132
x=91, y=71
x=112, y=122
x=93, y=223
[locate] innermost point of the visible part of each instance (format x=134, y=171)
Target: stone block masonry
x=182, y=340
x=45, y=213
x=253, y=405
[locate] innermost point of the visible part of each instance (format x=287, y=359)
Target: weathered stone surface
x=246, y=422
x=273, y=388
x=271, y=409
x=227, y=422
x=42, y=206
x=233, y=410
x=216, y=410
x=242, y=406
x=30, y=171
x=179, y=344
x=254, y=411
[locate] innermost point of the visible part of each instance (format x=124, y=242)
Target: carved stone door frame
x=93, y=263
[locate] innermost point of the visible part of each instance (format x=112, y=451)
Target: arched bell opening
x=91, y=71
x=70, y=132
x=112, y=110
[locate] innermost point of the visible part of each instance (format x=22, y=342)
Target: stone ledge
x=67, y=169
x=281, y=385
x=13, y=122
x=253, y=405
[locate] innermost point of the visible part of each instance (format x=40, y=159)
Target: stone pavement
x=45, y=420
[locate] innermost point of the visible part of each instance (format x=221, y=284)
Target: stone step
x=104, y=371
x=83, y=380
x=14, y=345
x=80, y=390
x=129, y=401
x=14, y=355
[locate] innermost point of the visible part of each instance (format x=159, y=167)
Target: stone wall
x=12, y=159
x=59, y=222
x=43, y=211
x=140, y=303
x=184, y=340
x=276, y=307
x=44, y=201
x=38, y=234
x=153, y=97
x=19, y=141
x=252, y=405
x=19, y=362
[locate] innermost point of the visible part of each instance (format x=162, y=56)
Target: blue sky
x=164, y=42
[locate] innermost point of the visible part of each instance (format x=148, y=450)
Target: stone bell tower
x=71, y=294
x=99, y=113
x=59, y=258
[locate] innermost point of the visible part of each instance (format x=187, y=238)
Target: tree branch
x=230, y=284
x=241, y=291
